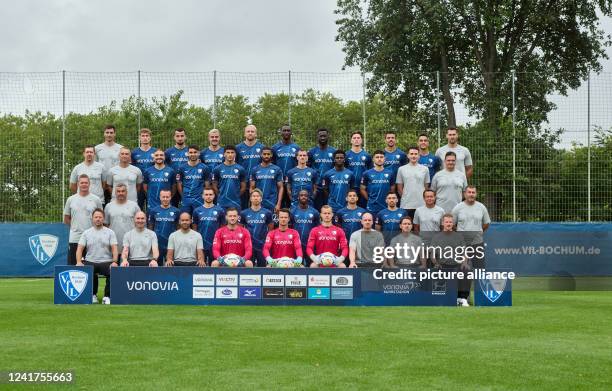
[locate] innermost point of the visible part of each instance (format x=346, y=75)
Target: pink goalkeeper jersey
x=236, y=241
x=327, y=239
x=282, y=244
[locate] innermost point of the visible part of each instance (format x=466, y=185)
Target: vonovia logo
x=43, y=247
x=493, y=289
x=73, y=283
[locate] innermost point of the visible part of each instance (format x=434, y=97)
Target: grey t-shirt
x=429, y=221
x=185, y=245
x=130, y=176
x=412, y=241
x=120, y=218
x=96, y=173
x=470, y=219
x=444, y=247
x=414, y=178
x=464, y=157
x=140, y=244
x=364, y=243
x=449, y=187
x=80, y=209
x=108, y=156
x=98, y=243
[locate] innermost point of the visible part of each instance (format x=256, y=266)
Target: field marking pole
x=138, y=107
x=513, y=146
x=589, y=147
x=363, y=107
x=63, y=138
x=289, y=102
x=438, y=104
x=214, y=99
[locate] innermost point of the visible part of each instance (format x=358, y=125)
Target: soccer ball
x=232, y=260
x=285, y=262
x=328, y=259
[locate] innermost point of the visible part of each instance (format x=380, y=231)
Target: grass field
x=547, y=340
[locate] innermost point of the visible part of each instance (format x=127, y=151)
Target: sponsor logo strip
x=318, y=293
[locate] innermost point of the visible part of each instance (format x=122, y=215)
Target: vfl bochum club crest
x=73, y=283
x=43, y=247
x=493, y=289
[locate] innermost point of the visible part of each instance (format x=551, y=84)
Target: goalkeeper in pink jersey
x=327, y=238
x=232, y=239
x=283, y=241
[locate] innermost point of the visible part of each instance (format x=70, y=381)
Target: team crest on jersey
x=235, y=170
x=346, y=176
x=73, y=283
x=293, y=149
x=493, y=289
x=166, y=174
x=330, y=154
x=171, y=213
x=240, y=235
x=333, y=232
x=199, y=170
x=310, y=215
x=397, y=156
x=308, y=174
x=363, y=158
x=257, y=150
x=262, y=215
x=386, y=175
x=359, y=214
x=43, y=247
x=214, y=212
x=290, y=236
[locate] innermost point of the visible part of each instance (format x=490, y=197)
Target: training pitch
x=547, y=340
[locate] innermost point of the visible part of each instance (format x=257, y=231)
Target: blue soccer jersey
x=389, y=221
x=158, y=180
x=228, y=179
x=164, y=221
x=301, y=179
x=378, y=184
x=266, y=179
x=394, y=160
x=284, y=155
x=249, y=157
x=212, y=158
x=349, y=220
x=192, y=180
x=358, y=163
x=303, y=221
x=208, y=221
x=321, y=160
x=143, y=159
x=338, y=183
x=257, y=224
x=175, y=157
x=432, y=162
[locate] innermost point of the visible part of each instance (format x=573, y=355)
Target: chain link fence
x=556, y=171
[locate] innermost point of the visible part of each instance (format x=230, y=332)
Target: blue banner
x=73, y=285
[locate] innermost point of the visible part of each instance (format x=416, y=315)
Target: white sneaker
x=94, y=299
x=459, y=302
x=106, y=300
x=464, y=303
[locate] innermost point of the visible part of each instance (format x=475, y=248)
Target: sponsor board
x=227, y=280
x=342, y=294
x=203, y=280
x=250, y=293
x=250, y=280
x=342, y=280
x=296, y=280
x=203, y=292
x=227, y=292
x=318, y=293
x=318, y=280
x=295, y=293
x=73, y=285
x=273, y=280
x=273, y=293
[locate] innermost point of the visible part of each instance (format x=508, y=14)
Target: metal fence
x=558, y=172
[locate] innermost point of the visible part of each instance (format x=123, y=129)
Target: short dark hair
x=393, y=132
x=429, y=190
x=97, y=210
x=378, y=152
x=423, y=135
x=89, y=146
x=339, y=152
x=193, y=146
x=230, y=209
x=110, y=126
x=84, y=176
x=322, y=130
x=229, y=148
x=405, y=218
x=413, y=147
x=354, y=132
x=266, y=148
x=452, y=128
x=450, y=153
x=353, y=191
x=179, y=130
x=284, y=210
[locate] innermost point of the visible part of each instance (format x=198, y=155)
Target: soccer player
x=337, y=182
x=326, y=238
x=428, y=218
x=349, y=217
x=301, y=177
x=119, y=213
x=269, y=179
x=376, y=183
x=125, y=173
x=321, y=158
x=140, y=244
x=407, y=240
x=387, y=220
x=229, y=180
x=176, y=156
x=107, y=153
x=426, y=158
x=304, y=218
x=185, y=246
x=213, y=155
x=157, y=178
x=142, y=157
x=232, y=239
x=394, y=157
x=100, y=245
x=411, y=180
x=463, y=155
x=285, y=150
x=193, y=176
x=358, y=161
x=94, y=170
x=248, y=156
x=363, y=242
x=163, y=220
x=207, y=219
x=77, y=214
x=449, y=184
x=283, y=241
x=258, y=221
